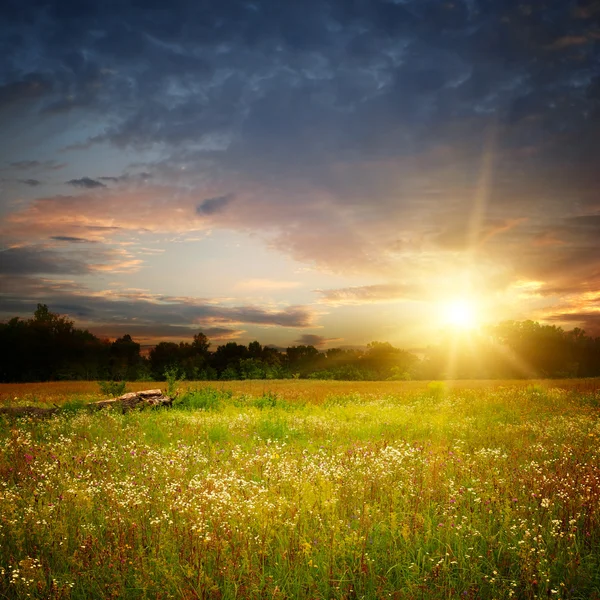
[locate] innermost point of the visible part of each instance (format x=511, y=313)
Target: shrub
x=203, y=399
x=173, y=378
x=436, y=389
x=73, y=406
x=112, y=388
x=267, y=400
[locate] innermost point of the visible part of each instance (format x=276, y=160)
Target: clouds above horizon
x=139, y=311
x=86, y=182
x=384, y=139
x=311, y=339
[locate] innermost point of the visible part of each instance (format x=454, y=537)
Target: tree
x=226, y=359
x=164, y=356
x=255, y=350
x=302, y=359
x=386, y=360
x=539, y=350
x=47, y=347
x=200, y=344
x=124, y=358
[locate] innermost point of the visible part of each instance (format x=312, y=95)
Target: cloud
x=138, y=310
x=71, y=239
x=157, y=332
x=267, y=285
x=30, y=88
x=94, y=216
x=38, y=260
x=128, y=178
x=562, y=253
x=467, y=234
x=367, y=294
x=588, y=321
x=37, y=165
x=350, y=136
x=42, y=259
x=292, y=316
x=579, y=308
x=86, y=182
x=586, y=10
x=222, y=334
x=309, y=339
x=547, y=238
x=212, y=206
x=30, y=182
x=568, y=41
x=26, y=164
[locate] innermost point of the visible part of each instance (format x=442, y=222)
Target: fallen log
x=133, y=400
x=130, y=401
x=27, y=411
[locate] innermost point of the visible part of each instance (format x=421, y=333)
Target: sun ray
x=460, y=313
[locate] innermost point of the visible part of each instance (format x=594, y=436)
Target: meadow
x=304, y=489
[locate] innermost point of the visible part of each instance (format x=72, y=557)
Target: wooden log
x=27, y=411
x=133, y=400
x=125, y=402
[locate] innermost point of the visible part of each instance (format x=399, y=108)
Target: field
x=305, y=490
x=57, y=392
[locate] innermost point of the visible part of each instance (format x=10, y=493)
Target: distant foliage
x=49, y=347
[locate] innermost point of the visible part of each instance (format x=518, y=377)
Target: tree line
x=49, y=347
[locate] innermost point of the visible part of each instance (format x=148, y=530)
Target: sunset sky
x=329, y=172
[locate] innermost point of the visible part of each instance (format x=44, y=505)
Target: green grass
x=430, y=493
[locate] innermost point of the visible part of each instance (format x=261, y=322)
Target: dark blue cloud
x=86, y=182
x=30, y=260
x=384, y=107
x=71, y=239
x=301, y=81
x=20, y=291
x=212, y=206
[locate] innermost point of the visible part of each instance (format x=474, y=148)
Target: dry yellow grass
x=57, y=392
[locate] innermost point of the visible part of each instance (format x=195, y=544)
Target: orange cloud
x=547, y=238
x=368, y=294
x=567, y=41
x=265, y=285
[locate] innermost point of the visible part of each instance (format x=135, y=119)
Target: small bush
x=273, y=429
x=203, y=399
x=537, y=390
x=173, y=378
x=73, y=406
x=112, y=388
x=437, y=389
x=399, y=374
x=267, y=400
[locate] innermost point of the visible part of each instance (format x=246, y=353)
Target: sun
x=460, y=313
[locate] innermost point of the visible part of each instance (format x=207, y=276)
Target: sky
x=326, y=172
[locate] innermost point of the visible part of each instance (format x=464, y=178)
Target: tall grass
x=430, y=493
x=291, y=389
